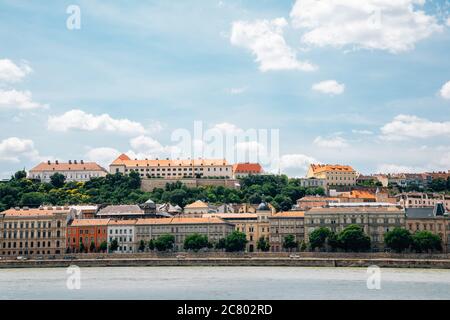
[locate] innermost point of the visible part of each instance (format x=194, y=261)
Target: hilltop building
x=72, y=170
x=334, y=175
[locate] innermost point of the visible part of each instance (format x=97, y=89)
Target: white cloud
x=448, y=22
x=22, y=100
x=394, y=168
x=408, y=126
x=103, y=156
x=363, y=132
x=10, y=72
x=445, y=90
x=331, y=87
x=265, y=39
x=235, y=91
x=228, y=128
x=332, y=142
x=296, y=164
x=146, y=145
x=394, y=26
x=80, y=120
x=12, y=149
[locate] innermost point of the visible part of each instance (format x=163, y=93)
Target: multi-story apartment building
x=180, y=228
x=254, y=225
x=39, y=231
x=172, y=169
x=375, y=218
x=422, y=199
x=283, y=224
x=309, y=202
x=313, y=183
x=334, y=175
x=131, y=211
x=83, y=232
x=123, y=231
x=241, y=170
x=433, y=219
x=72, y=170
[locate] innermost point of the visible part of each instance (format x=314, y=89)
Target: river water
x=223, y=283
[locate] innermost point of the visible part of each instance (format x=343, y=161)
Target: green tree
x=425, y=241
x=151, y=244
x=221, y=244
x=57, y=180
x=92, y=247
x=353, y=238
x=82, y=248
x=113, y=246
x=263, y=244
x=196, y=242
x=103, y=246
x=398, y=239
x=289, y=242
x=141, y=245
x=32, y=199
x=165, y=242
x=20, y=175
x=235, y=241
x=318, y=238
x=303, y=246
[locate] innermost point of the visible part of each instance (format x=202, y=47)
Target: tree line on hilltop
x=278, y=190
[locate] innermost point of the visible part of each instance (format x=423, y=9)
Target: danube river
x=223, y=283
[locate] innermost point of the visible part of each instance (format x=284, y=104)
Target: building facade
x=283, y=224
x=41, y=231
x=433, y=219
x=334, y=175
x=241, y=170
x=313, y=183
x=422, y=199
x=123, y=231
x=82, y=233
x=172, y=169
x=375, y=218
x=180, y=228
x=72, y=170
x=196, y=209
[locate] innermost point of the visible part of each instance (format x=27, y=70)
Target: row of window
x=29, y=245
x=32, y=224
x=31, y=234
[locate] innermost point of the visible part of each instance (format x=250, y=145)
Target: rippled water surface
x=224, y=283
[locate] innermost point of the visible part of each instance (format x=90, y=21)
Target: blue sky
x=376, y=98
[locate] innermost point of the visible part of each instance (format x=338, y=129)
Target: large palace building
x=158, y=168
x=72, y=170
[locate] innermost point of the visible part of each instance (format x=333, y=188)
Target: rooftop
x=89, y=222
x=197, y=204
x=247, y=168
x=123, y=159
x=316, y=168
x=29, y=212
x=179, y=220
x=289, y=214
x=65, y=166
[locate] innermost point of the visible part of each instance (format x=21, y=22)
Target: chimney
x=48, y=162
x=82, y=161
x=75, y=161
x=56, y=161
x=70, y=161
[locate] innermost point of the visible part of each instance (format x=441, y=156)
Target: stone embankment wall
x=237, y=259
x=149, y=184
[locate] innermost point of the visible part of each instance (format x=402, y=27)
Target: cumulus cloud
x=331, y=87
x=394, y=26
x=445, y=91
x=13, y=149
x=11, y=72
x=394, y=168
x=266, y=41
x=236, y=91
x=103, y=155
x=296, y=164
x=332, y=142
x=228, y=128
x=363, y=132
x=147, y=145
x=407, y=126
x=80, y=120
x=21, y=100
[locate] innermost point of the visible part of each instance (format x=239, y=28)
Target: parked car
x=21, y=258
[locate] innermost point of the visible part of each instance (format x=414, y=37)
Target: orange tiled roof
x=33, y=212
x=89, y=222
x=247, y=168
x=316, y=168
x=64, y=166
x=121, y=222
x=231, y=215
x=123, y=159
x=178, y=220
x=361, y=194
x=197, y=204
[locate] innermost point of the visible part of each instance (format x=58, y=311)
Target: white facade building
x=124, y=232
x=73, y=170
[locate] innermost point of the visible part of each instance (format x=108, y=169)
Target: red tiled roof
x=247, y=168
x=64, y=166
x=316, y=168
x=123, y=159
